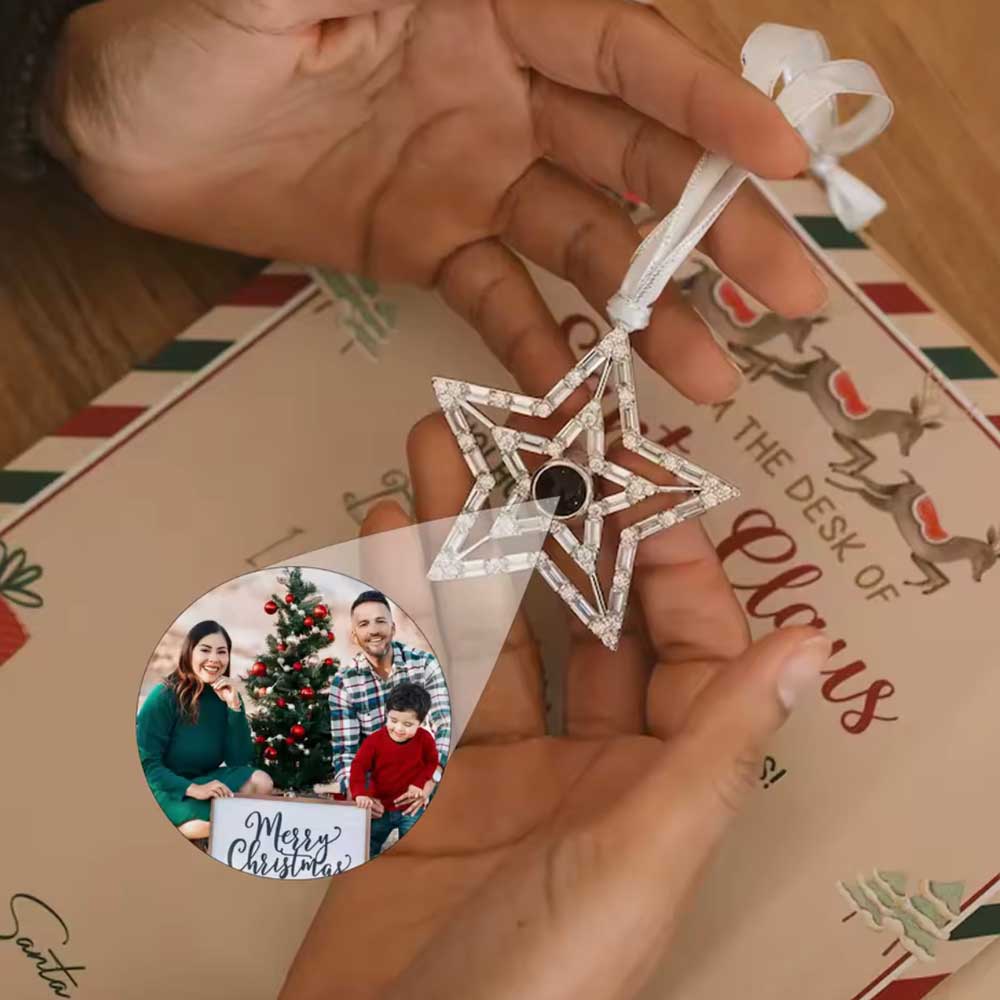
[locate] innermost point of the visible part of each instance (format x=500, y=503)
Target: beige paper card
x=877, y=788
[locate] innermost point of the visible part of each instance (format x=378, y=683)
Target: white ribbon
x=811, y=83
x=853, y=202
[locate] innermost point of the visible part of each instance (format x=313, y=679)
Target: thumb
x=735, y=715
x=710, y=768
x=386, y=515
x=636, y=865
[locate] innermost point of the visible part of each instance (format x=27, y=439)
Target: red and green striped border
x=186, y=356
x=277, y=286
x=982, y=925
x=912, y=989
x=895, y=298
x=967, y=371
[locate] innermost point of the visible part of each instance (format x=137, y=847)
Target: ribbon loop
x=800, y=60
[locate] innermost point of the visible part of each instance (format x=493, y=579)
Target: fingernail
x=737, y=383
x=805, y=151
x=801, y=674
x=824, y=298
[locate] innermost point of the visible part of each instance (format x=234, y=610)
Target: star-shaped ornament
x=573, y=460
x=575, y=457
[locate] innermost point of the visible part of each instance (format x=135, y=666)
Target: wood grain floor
x=82, y=299
x=938, y=164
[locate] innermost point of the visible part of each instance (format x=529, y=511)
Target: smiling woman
x=194, y=738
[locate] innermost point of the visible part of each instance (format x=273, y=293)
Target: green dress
x=174, y=753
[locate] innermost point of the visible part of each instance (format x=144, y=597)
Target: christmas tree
x=287, y=685
x=919, y=919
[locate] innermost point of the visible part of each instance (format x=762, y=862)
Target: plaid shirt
x=357, y=703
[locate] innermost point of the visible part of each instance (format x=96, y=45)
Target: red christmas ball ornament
x=270, y=753
x=289, y=598
x=281, y=647
x=321, y=611
x=260, y=739
x=307, y=692
x=298, y=731
x=328, y=662
x=270, y=607
x=297, y=667
x=309, y=621
x=289, y=741
x=330, y=637
x=258, y=669
x=281, y=703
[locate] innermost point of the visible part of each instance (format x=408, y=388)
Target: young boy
x=399, y=759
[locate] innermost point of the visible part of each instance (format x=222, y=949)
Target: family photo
x=293, y=723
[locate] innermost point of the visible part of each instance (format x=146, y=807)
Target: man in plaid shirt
x=359, y=690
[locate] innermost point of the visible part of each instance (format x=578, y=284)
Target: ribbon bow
x=853, y=202
x=811, y=83
x=16, y=575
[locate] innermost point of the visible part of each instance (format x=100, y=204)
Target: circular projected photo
x=293, y=723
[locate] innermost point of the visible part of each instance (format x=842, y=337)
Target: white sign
x=283, y=838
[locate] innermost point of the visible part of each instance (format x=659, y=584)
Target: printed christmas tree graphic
x=287, y=686
x=919, y=920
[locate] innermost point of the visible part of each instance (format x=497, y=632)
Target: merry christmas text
x=273, y=850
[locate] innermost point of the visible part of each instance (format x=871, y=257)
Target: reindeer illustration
x=841, y=405
x=725, y=309
x=917, y=519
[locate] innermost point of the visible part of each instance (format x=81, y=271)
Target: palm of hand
x=534, y=846
x=334, y=142
x=435, y=143
x=530, y=805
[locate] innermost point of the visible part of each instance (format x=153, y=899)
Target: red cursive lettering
x=756, y=536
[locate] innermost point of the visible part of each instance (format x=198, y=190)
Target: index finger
x=695, y=620
x=689, y=605
x=631, y=52
x=512, y=704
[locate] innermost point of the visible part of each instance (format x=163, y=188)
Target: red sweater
x=383, y=769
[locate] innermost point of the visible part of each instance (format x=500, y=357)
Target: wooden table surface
x=83, y=299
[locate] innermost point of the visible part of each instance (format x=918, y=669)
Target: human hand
x=413, y=798
x=662, y=748
x=373, y=805
x=411, y=793
x=208, y=790
x=430, y=142
x=228, y=692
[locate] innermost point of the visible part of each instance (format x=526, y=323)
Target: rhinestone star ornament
x=573, y=461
